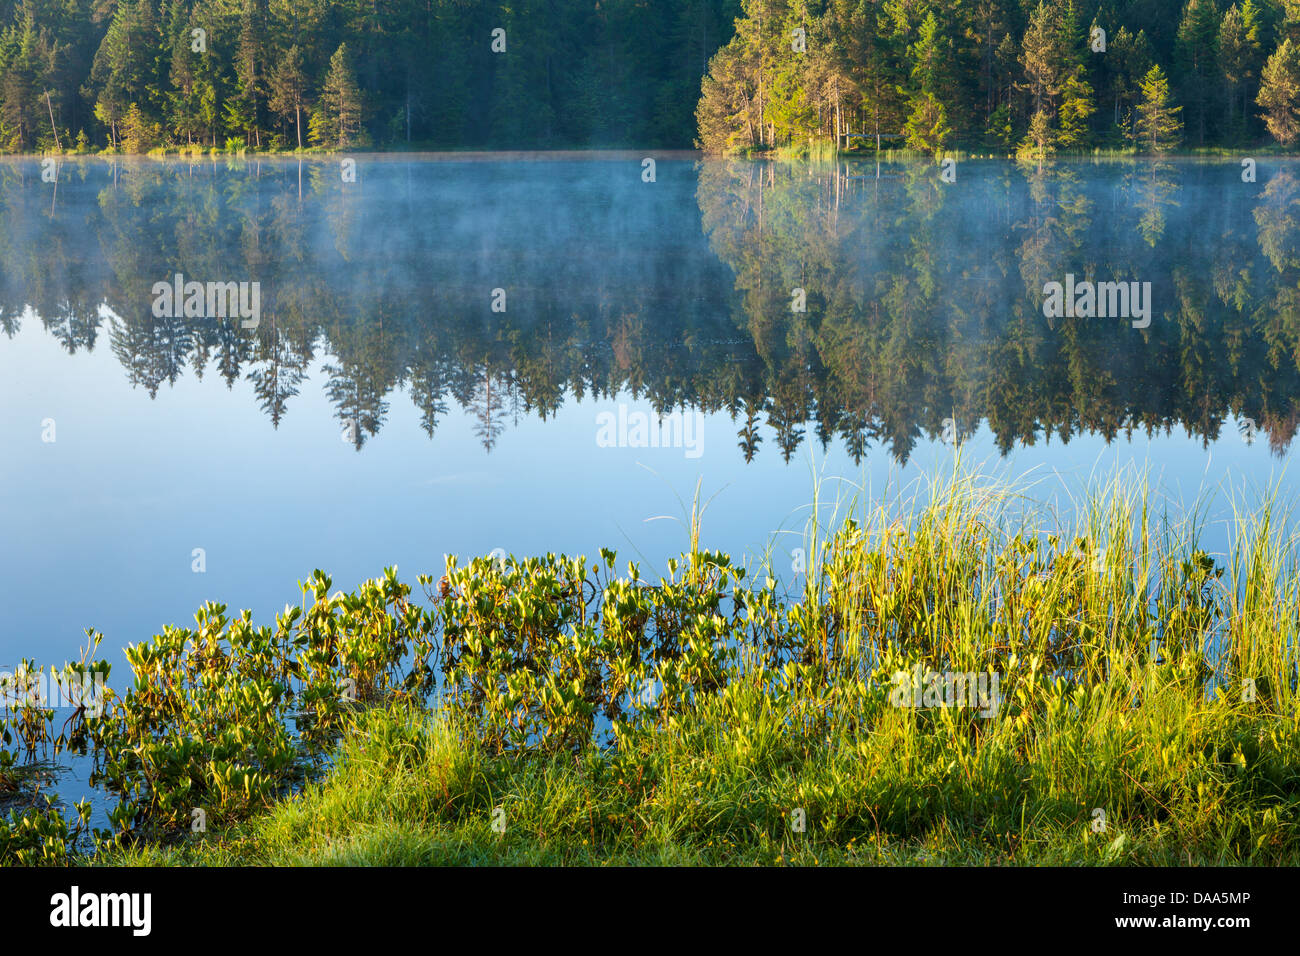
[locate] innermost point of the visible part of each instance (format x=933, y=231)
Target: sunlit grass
x=1146, y=714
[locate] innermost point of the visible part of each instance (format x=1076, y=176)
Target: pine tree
x=626, y=71
x=336, y=121
x=1195, y=60
x=1279, y=93
x=19, y=82
x=1128, y=58
x=988, y=28
x=184, y=99
x=244, y=109
x=120, y=69
x=877, y=75
x=1238, y=59
x=288, y=89
x=1290, y=25
x=1039, y=137
x=138, y=134
x=1158, y=125
x=1043, y=58
x=932, y=58
x=1077, y=107
x=927, y=127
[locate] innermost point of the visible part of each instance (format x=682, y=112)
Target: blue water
x=673, y=294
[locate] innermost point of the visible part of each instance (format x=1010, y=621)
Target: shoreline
x=949, y=686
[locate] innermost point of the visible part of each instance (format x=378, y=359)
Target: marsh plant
x=45, y=713
x=1116, y=666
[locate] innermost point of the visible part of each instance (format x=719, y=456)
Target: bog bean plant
x=610, y=717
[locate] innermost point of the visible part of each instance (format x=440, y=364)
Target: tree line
x=139, y=75
x=1008, y=76
x=1029, y=77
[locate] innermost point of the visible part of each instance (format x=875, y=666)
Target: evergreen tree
x=725, y=116
x=1279, y=94
x=1158, y=126
x=20, y=80
x=336, y=121
x=626, y=72
x=927, y=126
x=1043, y=57
x=288, y=90
x=877, y=76
x=1237, y=54
x=1130, y=59
x=121, y=74
x=1076, y=109
x=245, y=107
x=1038, y=139
x=1195, y=50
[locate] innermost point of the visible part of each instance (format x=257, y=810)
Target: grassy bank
x=955, y=683
x=721, y=785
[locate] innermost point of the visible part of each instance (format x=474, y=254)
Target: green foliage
x=1039, y=138
x=1239, y=58
x=536, y=652
x=1109, y=696
x=619, y=74
x=1002, y=71
x=1280, y=93
x=336, y=121
x=1099, y=645
x=37, y=833
x=927, y=126
x=1076, y=108
x=288, y=86
x=41, y=836
x=220, y=716
x=423, y=72
x=1159, y=128
x=28, y=698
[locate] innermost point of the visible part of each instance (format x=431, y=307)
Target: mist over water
x=439, y=340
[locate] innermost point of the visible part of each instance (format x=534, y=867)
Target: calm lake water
x=461, y=356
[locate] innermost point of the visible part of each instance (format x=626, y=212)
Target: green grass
x=719, y=788
x=1145, y=713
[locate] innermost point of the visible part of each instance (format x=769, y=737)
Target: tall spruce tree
x=336, y=121
x=1159, y=127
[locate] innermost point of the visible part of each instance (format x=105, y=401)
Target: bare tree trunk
x=877, y=120
x=838, y=118
x=52, y=123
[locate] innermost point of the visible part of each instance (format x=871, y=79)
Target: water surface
x=457, y=356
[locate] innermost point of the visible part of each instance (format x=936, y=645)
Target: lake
x=442, y=355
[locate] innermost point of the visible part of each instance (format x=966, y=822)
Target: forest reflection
x=922, y=299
